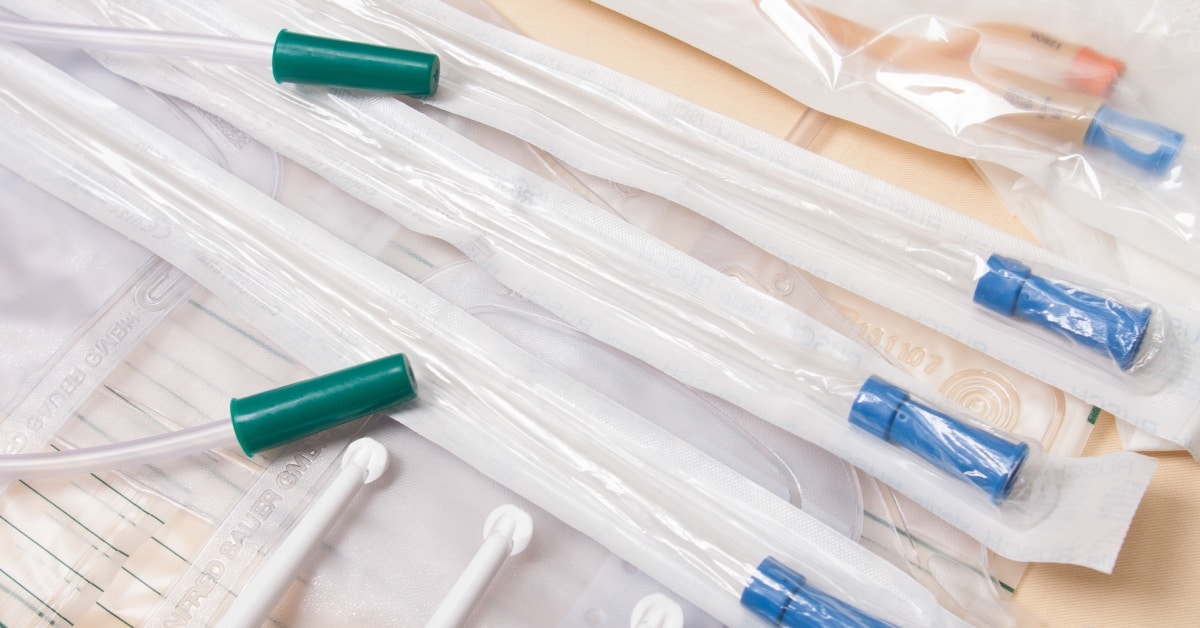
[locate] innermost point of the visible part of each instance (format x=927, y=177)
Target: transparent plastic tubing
x=129, y=40
x=118, y=455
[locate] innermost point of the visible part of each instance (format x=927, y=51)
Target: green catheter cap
x=285, y=414
x=315, y=60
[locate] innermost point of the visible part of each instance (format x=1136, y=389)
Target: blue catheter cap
x=1100, y=323
x=779, y=595
x=966, y=451
x=999, y=288
x=1123, y=135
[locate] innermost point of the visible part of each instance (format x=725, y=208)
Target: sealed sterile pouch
x=115, y=547
x=999, y=394
x=481, y=397
x=1067, y=235
x=1090, y=101
x=525, y=260
x=203, y=338
x=942, y=552
x=1114, y=347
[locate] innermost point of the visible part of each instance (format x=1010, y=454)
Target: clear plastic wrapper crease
x=590, y=462
x=519, y=234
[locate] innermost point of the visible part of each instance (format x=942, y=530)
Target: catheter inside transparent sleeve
x=797, y=471
x=667, y=508
x=625, y=288
x=1118, y=331
x=1064, y=92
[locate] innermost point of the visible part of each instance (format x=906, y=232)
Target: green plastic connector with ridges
x=315, y=60
x=272, y=418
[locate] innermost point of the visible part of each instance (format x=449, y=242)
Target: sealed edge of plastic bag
x=82, y=365
x=344, y=306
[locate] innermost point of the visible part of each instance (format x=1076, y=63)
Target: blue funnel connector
x=1124, y=135
x=1097, y=322
x=779, y=595
x=976, y=455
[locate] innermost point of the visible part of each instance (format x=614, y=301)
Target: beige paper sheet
x=1157, y=578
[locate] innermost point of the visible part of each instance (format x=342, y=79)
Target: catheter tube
x=118, y=455
x=129, y=40
x=1086, y=70
x=924, y=65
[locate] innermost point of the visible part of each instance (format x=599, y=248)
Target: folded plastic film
x=1080, y=97
x=595, y=442
x=74, y=304
x=603, y=313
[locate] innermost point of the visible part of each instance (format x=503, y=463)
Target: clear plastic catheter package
x=790, y=370
x=610, y=286
x=728, y=544
x=886, y=520
x=1091, y=101
x=1083, y=333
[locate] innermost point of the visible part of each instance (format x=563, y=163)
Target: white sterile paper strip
x=518, y=228
x=598, y=467
x=758, y=186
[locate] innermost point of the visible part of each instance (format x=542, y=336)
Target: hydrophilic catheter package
x=763, y=338
x=782, y=200
x=926, y=547
x=597, y=466
x=1085, y=99
x=1091, y=100
x=944, y=561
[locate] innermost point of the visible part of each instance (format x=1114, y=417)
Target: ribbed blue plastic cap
x=875, y=407
x=1095, y=321
x=1118, y=133
x=778, y=595
x=999, y=288
x=770, y=590
x=958, y=448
